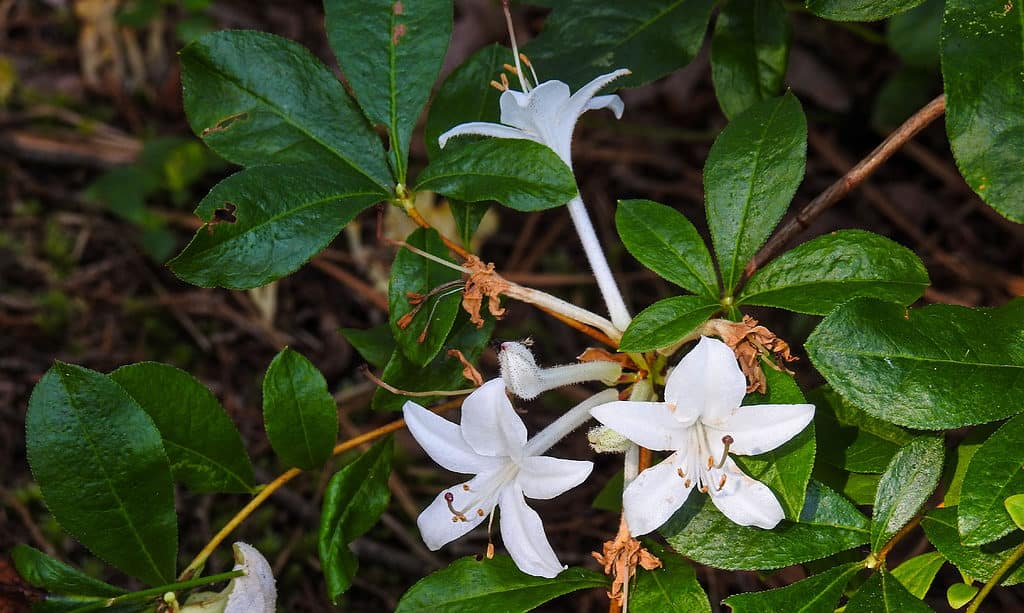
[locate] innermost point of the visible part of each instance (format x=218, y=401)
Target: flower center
x=700, y=463
x=479, y=501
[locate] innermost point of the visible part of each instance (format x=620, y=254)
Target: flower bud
x=605, y=440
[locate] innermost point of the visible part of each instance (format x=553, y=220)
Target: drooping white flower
x=702, y=421
x=546, y=114
x=253, y=592
x=491, y=443
x=524, y=378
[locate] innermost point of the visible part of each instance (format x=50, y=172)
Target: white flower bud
x=253, y=592
x=527, y=380
x=605, y=440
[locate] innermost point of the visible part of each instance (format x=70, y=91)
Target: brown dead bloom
x=468, y=370
x=482, y=282
x=620, y=557
x=749, y=341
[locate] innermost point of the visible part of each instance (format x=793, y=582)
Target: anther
x=490, y=551
x=480, y=512
x=498, y=86
x=727, y=441
x=687, y=483
x=679, y=471
x=703, y=489
x=510, y=68
x=711, y=462
x=465, y=488
x=671, y=407
x=721, y=483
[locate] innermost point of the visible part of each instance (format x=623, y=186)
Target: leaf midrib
x=209, y=460
x=711, y=293
x=780, y=288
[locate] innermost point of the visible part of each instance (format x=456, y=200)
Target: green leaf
x=858, y=487
x=982, y=63
x=265, y=222
x=610, y=496
x=914, y=35
x=940, y=525
x=671, y=588
x=937, y=367
x=905, y=486
x=959, y=462
x=583, y=39
x=469, y=586
x=787, y=468
x=467, y=216
x=751, y=174
x=856, y=441
x=256, y=98
x=828, y=524
x=203, y=445
x=816, y=594
x=101, y=466
x=432, y=319
x=42, y=571
x=520, y=174
x=464, y=96
x=821, y=274
x=959, y=594
x=918, y=573
x=666, y=321
x=1015, y=507
x=355, y=498
x=749, y=53
x=299, y=413
x=665, y=241
x=444, y=372
x=882, y=593
x=390, y=52
x=993, y=475
x=859, y=10
x=375, y=344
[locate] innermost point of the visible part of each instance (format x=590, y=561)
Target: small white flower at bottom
x=253, y=592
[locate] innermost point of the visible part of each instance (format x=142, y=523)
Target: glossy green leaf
x=918, y=573
x=444, y=372
x=42, y=571
x=940, y=525
x=937, y=367
x=665, y=241
x=299, y=413
x=858, y=487
x=520, y=174
x=914, y=35
x=749, y=53
x=828, y=524
x=994, y=474
x=375, y=344
x=882, y=593
x=265, y=222
x=673, y=588
x=355, y=498
x=750, y=176
x=467, y=216
x=583, y=39
x=256, y=98
x=856, y=441
x=103, y=472
x=390, y=52
x=816, y=594
x=469, y=586
x=821, y=274
x=412, y=274
x=465, y=95
x=666, y=321
x=982, y=63
x=859, y=10
x=958, y=462
x=959, y=594
x=906, y=484
x=1014, y=506
x=202, y=443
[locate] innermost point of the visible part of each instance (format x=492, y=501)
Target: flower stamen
x=456, y=514
x=528, y=64
x=727, y=441
x=721, y=483
x=515, y=47
x=498, y=86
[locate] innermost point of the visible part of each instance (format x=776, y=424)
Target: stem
x=569, y=421
x=161, y=590
x=630, y=466
x=856, y=175
x=599, y=264
x=904, y=531
x=1015, y=556
x=553, y=304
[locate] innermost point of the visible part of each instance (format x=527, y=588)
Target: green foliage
x=917, y=573
x=673, y=588
x=666, y=321
x=816, y=594
x=959, y=594
x=914, y=34
x=299, y=413
x=981, y=562
x=993, y=475
x=749, y=53
x=461, y=97
x=882, y=593
x=42, y=571
x=906, y=484
x=375, y=344
x=859, y=442
x=859, y=10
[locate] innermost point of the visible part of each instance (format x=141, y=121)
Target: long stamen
x=528, y=64
x=727, y=440
x=456, y=514
x=433, y=307
x=515, y=47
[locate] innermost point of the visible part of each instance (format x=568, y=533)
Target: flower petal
x=443, y=442
x=708, y=381
x=255, y=591
x=760, y=428
x=655, y=495
x=746, y=501
x=490, y=424
x=544, y=477
x=523, y=535
x=483, y=128
x=435, y=522
x=536, y=110
x=613, y=103
x=648, y=424
x=581, y=99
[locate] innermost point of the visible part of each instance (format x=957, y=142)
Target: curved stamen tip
x=727, y=441
x=456, y=514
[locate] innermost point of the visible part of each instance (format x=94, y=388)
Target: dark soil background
x=80, y=94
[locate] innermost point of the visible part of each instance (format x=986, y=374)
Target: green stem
x=1015, y=557
x=160, y=591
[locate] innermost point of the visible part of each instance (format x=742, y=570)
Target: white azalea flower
x=491, y=444
x=702, y=421
x=253, y=592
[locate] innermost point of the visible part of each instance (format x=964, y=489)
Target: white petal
x=435, y=522
x=745, y=501
x=655, y=495
x=579, y=101
x=253, y=592
x=707, y=381
x=543, y=477
x=612, y=103
x=648, y=424
x=523, y=535
x=482, y=128
x=536, y=110
x=760, y=428
x=443, y=442
x=490, y=424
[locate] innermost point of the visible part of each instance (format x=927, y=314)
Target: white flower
x=526, y=380
x=702, y=421
x=253, y=592
x=545, y=114
x=491, y=444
